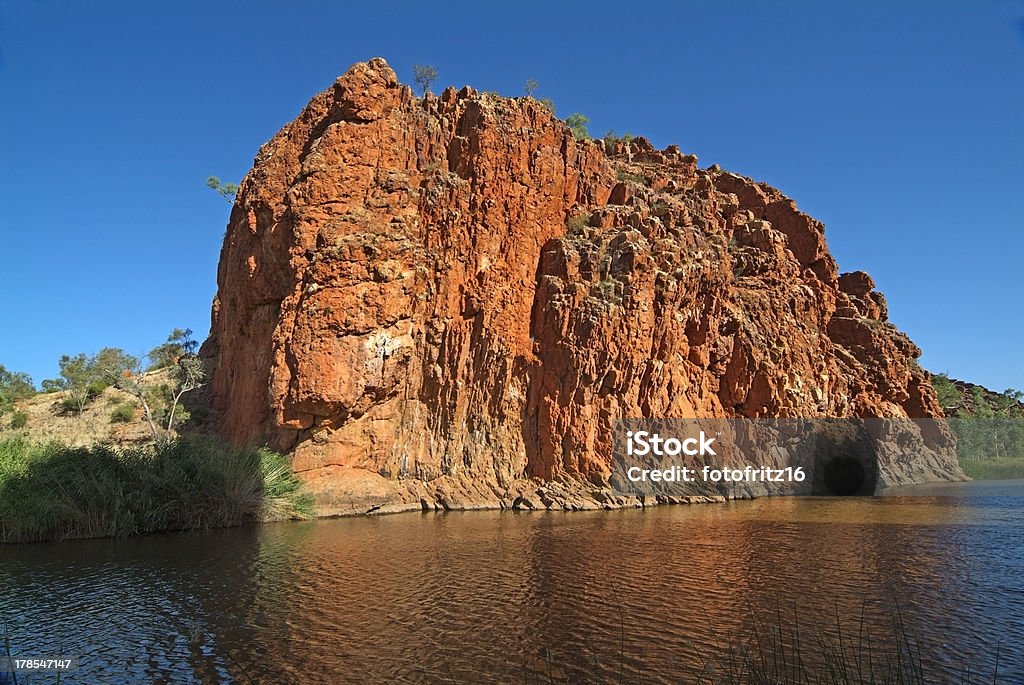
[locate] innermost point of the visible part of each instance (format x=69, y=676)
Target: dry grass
x=48, y=422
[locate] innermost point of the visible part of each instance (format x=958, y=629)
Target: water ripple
x=506, y=597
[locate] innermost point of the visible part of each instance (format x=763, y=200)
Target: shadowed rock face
x=433, y=301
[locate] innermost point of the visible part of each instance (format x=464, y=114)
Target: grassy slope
x=48, y=422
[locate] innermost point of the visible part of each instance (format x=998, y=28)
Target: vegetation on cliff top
x=424, y=75
x=174, y=370
x=225, y=190
x=577, y=123
x=960, y=399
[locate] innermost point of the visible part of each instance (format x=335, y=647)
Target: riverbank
x=50, y=491
x=994, y=469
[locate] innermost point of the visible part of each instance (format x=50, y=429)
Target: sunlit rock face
x=447, y=301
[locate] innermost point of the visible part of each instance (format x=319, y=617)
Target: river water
x=480, y=597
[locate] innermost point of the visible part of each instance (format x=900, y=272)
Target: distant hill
x=960, y=399
x=989, y=427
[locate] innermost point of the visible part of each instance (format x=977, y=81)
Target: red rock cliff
x=432, y=301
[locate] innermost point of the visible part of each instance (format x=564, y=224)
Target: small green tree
x=548, y=104
x=189, y=374
x=83, y=378
x=982, y=407
x=179, y=343
x=51, y=385
x=14, y=385
x=948, y=394
x=577, y=123
x=530, y=87
x=225, y=190
x=125, y=374
x=1008, y=402
x=611, y=138
x=75, y=378
x=187, y=371
x=111, y=361
x=423, y=75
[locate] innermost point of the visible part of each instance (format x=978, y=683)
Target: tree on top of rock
x=225, y=190
x=577, y=123
x=423, y=75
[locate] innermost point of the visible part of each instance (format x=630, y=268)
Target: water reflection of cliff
x=704, y=572
x=483, y=597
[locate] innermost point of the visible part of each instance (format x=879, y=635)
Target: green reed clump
x=54, y=492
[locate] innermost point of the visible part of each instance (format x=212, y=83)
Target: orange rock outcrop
x=446, y=301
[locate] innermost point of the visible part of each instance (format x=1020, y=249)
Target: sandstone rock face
x=446, y=301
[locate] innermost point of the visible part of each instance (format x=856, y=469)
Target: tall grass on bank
x=55, y=492
x=994, y=469
x=990, y=447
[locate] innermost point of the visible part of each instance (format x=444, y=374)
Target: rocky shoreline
x=356, y=494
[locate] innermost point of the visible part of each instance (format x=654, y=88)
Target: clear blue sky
x=899, y=124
